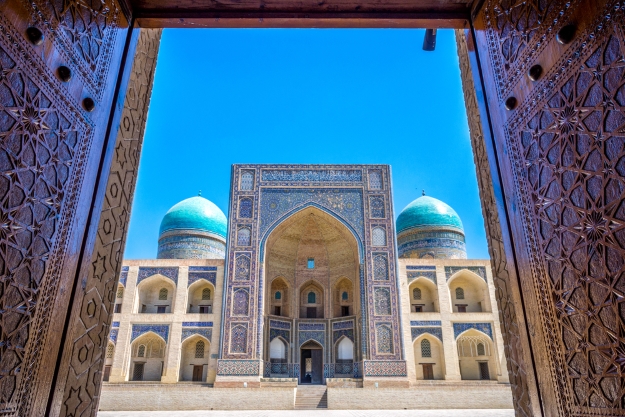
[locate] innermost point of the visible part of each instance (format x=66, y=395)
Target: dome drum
x=191, y=244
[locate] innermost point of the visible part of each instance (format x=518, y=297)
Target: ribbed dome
x=195, y=213
x=426, y=211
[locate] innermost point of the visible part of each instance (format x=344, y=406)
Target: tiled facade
x=385, y=306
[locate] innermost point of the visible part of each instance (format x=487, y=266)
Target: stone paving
x=313, y=413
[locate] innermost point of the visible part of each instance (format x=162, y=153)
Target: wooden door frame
x=70, y=392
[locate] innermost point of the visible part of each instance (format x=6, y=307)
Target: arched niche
x=344, y=353
x=468, y=293
x=155, y=294
x=201, y=295
x=279, y=299
x=147, y=353
x=429, y=357
x=311, y=245
x=311, y=300
x=278, y=357
x=343, y=298
x=194, y=356
x=476, y=354
x=423, y=295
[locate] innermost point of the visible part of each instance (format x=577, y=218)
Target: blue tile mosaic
x=197, y=324
x=434, y=331
x=337, y=334
x=202, y=268
x=460, y=328
x=385, y=368
x=169, y=272
x=123, y=275
x=426, y=323
x=431, y=275
x=479, y=270
x=196, y=276
x=285, y=334
x=160, y=329
x=280, y=324
x=115, y=324
x=238, y=367
x=311, y=326
x=190, y=331
x=312, y=335
x=113, y=335
x=421, y=268
x=317, y=175
x=347, y=324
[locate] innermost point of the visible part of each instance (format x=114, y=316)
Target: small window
x=278, y=295
x=378, y=237
x=312, y=298
x=462, y=308
x=161, y=309
x=426, y=349
x=118, y=308
x=162, y=294
x=120, y=292
x=416, y=308
x=206, y=309
x=344, y=311
x=277, y=311
x=247, y=180
x=243, y=237
x=480, y=349
x=141, y=351
x=311, y=263
x=344, y=296
x=199, y=349
x=206, y=294
x=110, y=349
x=416, y=293
x=459, y=293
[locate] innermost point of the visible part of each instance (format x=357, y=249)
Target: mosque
x=308, y=287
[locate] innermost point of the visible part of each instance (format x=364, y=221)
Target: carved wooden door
x=59, y=65
x=560, y=145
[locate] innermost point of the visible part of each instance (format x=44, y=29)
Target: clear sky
x=224, y=96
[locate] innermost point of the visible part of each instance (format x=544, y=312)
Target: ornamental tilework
x=377, y=207
x=416, y=323
x=242, y=267
x=312, y=335
x=375, y=179
x=337, y=334
x=311, y=326
x=382, y=301
x=316, y=175
x=285, y=334
x=196, y=276
x=275, y=203
x=202, y=269
x=347, y=324
x=479, y=270
x=241, y=302
x=115, y=324
x=246, y=208
x=238, y=334
x=380, y=266
x=431, y=275
x=280, y=324
x=485, y=328
x=434, y=331
x=123, y=275
x=385, y=368
x=384, y=338
x=160, y=329
x=421, y=268
x=169, y=272
x=238, y=367
x=113, y=335
x=197, y=324
x=190, y=331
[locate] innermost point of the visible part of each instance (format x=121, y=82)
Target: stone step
x=311, y=397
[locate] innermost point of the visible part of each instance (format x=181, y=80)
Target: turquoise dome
x=195, y=213
x=426, y=211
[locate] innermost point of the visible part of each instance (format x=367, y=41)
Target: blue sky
x=224, y=96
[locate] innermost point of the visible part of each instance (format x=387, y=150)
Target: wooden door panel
x=51, y=147
x=562, y=154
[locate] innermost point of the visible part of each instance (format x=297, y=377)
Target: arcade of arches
x=543, y=98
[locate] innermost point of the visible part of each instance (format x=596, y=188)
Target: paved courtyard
x=314, y=413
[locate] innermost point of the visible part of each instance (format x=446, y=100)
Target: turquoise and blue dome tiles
x=194, y=228
x=430, y=228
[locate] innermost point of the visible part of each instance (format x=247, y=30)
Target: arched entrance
x=311, y=354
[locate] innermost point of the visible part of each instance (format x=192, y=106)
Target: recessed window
x=199, y=349
x=416, y=293
x=162, y=294
x=206, y=294
x=459, y=293
x=141, y=351
x=344, y=296
x=278, y=295
x=480, y=349
x=311, y=263
x=312, y=298
x=426, y=349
